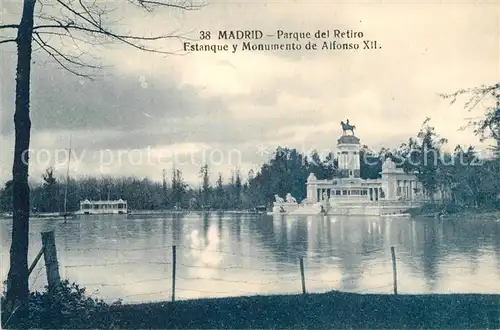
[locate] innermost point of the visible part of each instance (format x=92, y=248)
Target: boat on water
x=41, y=215
x=48, y=215
x=397, y=215
x=102, y=207
x=259, y=209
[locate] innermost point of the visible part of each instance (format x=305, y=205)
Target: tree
x=205, y=188
x=178, y=188
x=430, y=157
x=485, y=127
x=219, y=192
x=423, y=155
x=164, y=189
x=235, y=190
x=79, y=22
x=6, y=197
x=253, y=189
x=489, y=125
x=370, y=164
x=50, y=191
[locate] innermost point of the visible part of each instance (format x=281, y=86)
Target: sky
x=146, y=112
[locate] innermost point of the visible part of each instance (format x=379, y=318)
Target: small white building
x=103, y=207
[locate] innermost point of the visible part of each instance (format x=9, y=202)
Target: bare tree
x=487, y=126
x=50, y=24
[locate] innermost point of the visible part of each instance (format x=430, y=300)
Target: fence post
x=50, y=256
x=302, y=275
x=394, y=270
x=173, y=271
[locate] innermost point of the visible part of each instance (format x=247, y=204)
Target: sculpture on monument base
x=278, y=199
x=347, y=127
x=290, y=198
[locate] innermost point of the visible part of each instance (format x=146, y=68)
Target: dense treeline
x=287, y=171
x=462, y=177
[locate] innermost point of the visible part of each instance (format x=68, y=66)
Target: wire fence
x=164, y=273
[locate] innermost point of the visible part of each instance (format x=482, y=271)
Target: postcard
x=250, y=164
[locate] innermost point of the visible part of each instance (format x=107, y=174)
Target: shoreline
x=320, y=310
x=469, y=214
x=51, y=215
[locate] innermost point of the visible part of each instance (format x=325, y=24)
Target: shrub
x=67, y=306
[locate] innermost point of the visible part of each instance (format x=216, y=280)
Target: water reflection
x=232, y=254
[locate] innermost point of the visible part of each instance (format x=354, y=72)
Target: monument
x=347, y=193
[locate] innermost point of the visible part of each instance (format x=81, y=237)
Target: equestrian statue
x=347, y=127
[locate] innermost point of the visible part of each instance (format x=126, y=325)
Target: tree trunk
x=17, y=285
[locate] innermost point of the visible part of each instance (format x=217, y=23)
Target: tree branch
x=9, y=26
x=62, y=35
x=489, y=126
x=86, y=22
x=72, y=26
x=92, y=24
x=182, y=6
x=71, y=59
x=47, y=48
x=8, y=40
x=476, y=92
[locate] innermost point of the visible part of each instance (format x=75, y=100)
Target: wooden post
x=51, y=263
x=37, y=258
x=173, y=272
x=394, y=270
x=302, y=275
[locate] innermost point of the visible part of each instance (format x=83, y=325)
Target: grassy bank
x=68, y=307
x=327, y=310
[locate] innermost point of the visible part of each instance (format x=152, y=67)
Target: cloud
x=61, y=101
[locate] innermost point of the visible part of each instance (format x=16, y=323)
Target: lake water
x=130, y=257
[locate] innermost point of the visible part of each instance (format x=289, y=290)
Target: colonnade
x=406, y=189
x=373, y=193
